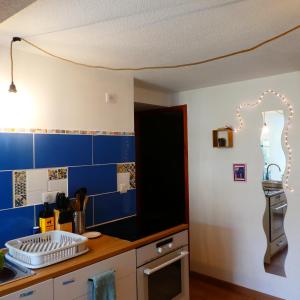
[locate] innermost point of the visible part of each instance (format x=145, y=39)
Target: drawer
x=74, y=285
x=277, y=199
x=43, y=290
x=126, y=290
x=278, y=244
x=161, y=247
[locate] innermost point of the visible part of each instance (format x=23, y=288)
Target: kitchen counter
x=100, y=249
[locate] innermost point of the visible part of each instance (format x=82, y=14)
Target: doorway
x=162, y=166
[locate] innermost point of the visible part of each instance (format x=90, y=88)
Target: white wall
x=227, y=237
x=57, y=95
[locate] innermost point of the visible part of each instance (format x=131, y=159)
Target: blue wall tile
x=16, y=151
x=89, y=215
x=6, y=190
x=113, y=206
x=15, y=223
x=113, y=149
x=97, y=179
x=54, y=150
x=58, y=150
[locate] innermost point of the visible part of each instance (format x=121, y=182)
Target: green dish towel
x=1, y=260
x=102, y=286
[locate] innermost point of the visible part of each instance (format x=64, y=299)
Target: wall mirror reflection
x=276, y=201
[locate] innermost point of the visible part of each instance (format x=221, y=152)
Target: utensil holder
x=79, y=222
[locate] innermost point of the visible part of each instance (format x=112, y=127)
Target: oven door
x=165, y=278
x=277, y=213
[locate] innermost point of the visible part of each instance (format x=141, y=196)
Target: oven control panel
x=164, y=245
x=161, y=247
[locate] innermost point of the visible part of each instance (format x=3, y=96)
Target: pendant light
x=12, y=87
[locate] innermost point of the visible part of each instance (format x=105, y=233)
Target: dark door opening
x=162, y=167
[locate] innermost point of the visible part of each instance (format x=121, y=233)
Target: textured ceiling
x=153, y=32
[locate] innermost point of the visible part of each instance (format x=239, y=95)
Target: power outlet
x=49, y=197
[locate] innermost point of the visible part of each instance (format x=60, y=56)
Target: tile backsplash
x=34, y=163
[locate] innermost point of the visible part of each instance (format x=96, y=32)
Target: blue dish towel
x=102, y=286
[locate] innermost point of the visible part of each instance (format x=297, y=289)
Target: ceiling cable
x=246, y=50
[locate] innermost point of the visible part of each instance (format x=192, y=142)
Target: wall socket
x=49, y=197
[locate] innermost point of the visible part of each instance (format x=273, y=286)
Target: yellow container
x=46, y=224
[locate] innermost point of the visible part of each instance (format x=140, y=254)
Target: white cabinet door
x=40, y=291
x=74, y=285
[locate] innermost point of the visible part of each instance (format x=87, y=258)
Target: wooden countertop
x=100, y=249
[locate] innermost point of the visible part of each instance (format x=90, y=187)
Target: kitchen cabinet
x=43, y=290
x=74, y=285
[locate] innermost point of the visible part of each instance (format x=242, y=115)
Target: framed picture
x=239, y=172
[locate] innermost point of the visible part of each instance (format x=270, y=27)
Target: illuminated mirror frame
x=284, y=101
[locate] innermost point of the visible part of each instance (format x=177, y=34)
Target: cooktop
x=131, y=229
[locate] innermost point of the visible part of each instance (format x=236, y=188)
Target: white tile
x=123, y=182
x=36, y=180
x=34, y=197
x=60, y=185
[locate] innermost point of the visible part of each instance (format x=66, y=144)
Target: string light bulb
x=290, y=110
x=265, y=128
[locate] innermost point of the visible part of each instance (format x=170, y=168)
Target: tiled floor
x=206, y=289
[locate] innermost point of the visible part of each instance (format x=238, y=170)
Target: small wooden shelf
x=222, y=138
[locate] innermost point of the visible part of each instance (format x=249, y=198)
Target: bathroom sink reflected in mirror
x=272, y=184
x=276, y=202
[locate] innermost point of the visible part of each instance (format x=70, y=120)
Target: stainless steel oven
x=278, y=207
x=163, y=269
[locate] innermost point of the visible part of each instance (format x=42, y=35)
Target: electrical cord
x=177, y=66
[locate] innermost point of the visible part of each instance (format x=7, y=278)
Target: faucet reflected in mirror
x=276, y=201
x=267, y=173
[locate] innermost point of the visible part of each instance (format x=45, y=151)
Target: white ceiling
x=136, y=33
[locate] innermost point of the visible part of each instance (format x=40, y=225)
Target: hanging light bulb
x=12, y=87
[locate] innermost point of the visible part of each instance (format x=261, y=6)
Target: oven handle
x=280, y=207
x=169, y=262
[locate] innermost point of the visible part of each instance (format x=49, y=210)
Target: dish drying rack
x=44, y=249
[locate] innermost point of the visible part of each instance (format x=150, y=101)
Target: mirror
x=276, y=202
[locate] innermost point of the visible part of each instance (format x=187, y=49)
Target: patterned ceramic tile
x=52, y=174
x=62, y=173
x=20, y=183
x=64, y=131
x=57, y=174
x=20, y=200
x=19, y=188
x=128, y=168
